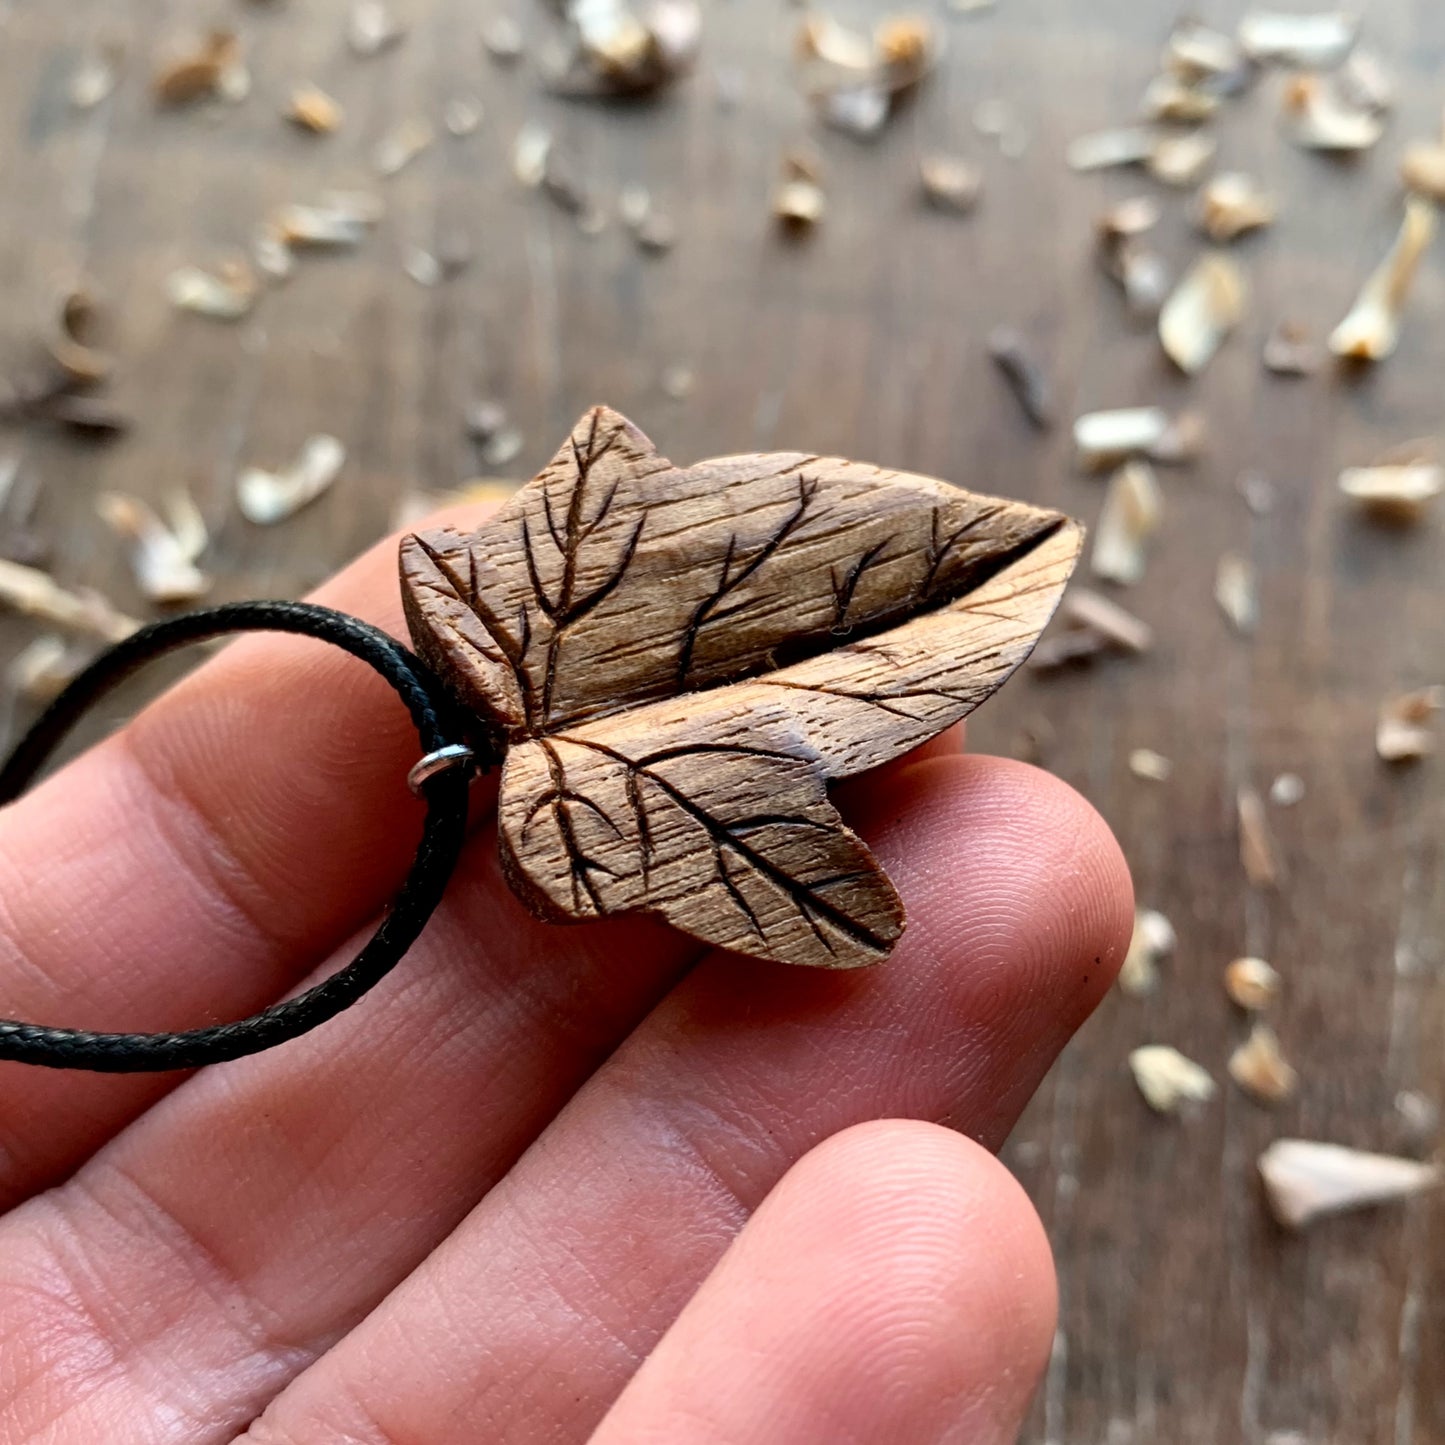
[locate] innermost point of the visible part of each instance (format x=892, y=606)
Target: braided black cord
x=437, y=724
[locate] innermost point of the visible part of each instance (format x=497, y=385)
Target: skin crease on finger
x=528, y=1321
x=895, y=1288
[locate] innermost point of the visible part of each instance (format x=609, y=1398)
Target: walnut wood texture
x=1185, y=1315
x=628, y=627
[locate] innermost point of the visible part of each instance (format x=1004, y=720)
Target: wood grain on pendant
x=679, y=658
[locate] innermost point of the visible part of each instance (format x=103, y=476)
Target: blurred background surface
x=1187, y=1313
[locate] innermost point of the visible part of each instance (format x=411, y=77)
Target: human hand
x=543, y=1181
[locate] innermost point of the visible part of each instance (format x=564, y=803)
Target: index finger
x=194, y=865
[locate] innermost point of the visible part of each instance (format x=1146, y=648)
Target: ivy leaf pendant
x=679, y=659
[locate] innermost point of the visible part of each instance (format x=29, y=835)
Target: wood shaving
x=1252, y=984
x=1168, y=1080
x=199, y=72
x=1107, y=149
x=1287, y=790
x=1419, y=1118
x=313, y=110
x=1083, y=607
x=271, y=254
x=163, y=553
x=1152, y=941
x=1103, y=439
x=1194, y=52
x=1366, y=83
x=484, y=419
x=270, y=497
x=529, y=154
x=225, y=295
x=1026, y=379
x=1129, y=218
x=504, y=447
x=1236, y=592
x=678, y=381
x=1259, y=1067
x=1153, y=767
x=1067, y=648
x=1405, y=732
x=1256, y=843
x=95, y=78
x=371, y=28
x=1322, y=118
x=1423, y=168
x=971, y=7
x=950, y=183
x=1371, y=330
x=35, y=593
x=1259, y=493
x=1301, y=42
x=852, y=79
x=421, y=266
x=997, y=119
x=1305, y=1181
x=1232, y=203
x=1397, y=491
x=402, y=145
x=45, y=667
x=340, y=220
x=462, y=116
x=1133, y=509
x=1182, y=160
x=1291, y=350
x=1143, y=274
x=613, y=47
x=1170, y=98
x=652, y=229
x=69, y=340
x=799, y=202
x=502, y=38
x=1201, y=312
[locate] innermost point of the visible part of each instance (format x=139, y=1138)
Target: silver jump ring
x=456, y=755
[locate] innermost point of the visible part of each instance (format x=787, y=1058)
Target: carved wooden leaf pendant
x=679, y=658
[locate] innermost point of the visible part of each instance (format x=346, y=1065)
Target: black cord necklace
x=441, y=779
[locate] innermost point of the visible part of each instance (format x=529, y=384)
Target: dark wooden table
x=1186, y=1315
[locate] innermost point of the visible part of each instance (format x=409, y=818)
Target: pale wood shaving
x=1371, y=331
x=35, y=593
x=1169, y=98
x=1252, y=984
x=1365, y=82
x=312, y=109
x=1257, y=850
x=45, y=667
x=950, y=183
x=1322, y=118
x=224, y=295
x=1104, y=150
x=201, y=71
x=1181, y=160
x=1133, y=509
x=69, y=340
x=402, y=145
x=1405, y=732
x=1168, y=1080
x=1236, y=591
x=1287, y=790
x=1305, y=1181
x=1259, y=1067
x=1103, y=439
x=1195, y=52
x=339, y=220
x=163, y=552
x=1399, y=489
x=94, y=79
x=371, y=27
x=1232, y=203
x=462, y=116
x=1153, y=941
x=1152, y=767
x=270, y=497
x=1084, y=607
x=1201, y=312
x=502, y=38
x=1318, y=41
